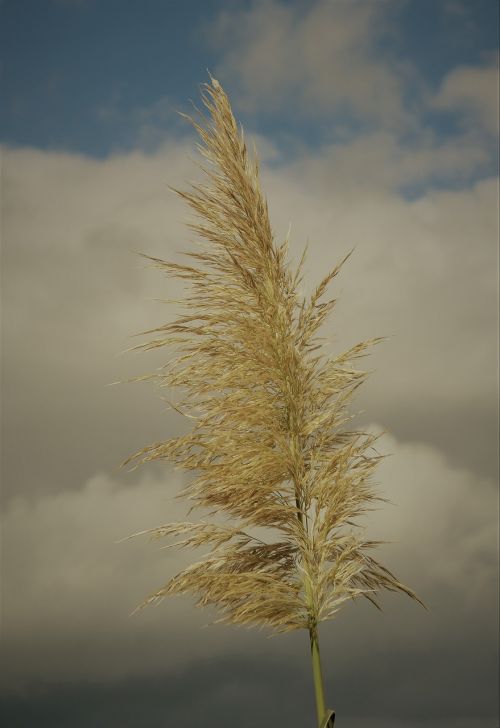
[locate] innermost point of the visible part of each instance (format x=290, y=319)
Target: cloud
x=213, y=692
x=472, y=91
x=422, y=211
x=336, y=62
x=140, y=127
x=444, y=522
x=380, y=162
x=316, y=57
x=423, y=273
x=423, y=270
x=60, y=555
x=73, y=294
x=454, y=7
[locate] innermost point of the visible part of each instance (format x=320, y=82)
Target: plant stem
x=313, y=625
x=318, y=676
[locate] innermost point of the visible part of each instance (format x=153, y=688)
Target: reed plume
x=269, y=446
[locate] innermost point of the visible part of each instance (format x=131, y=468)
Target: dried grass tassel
x=269, y=448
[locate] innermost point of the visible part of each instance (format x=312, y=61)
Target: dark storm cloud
x=213, y=694
x=249, y=692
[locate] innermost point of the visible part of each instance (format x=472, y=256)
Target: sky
x=376, y=123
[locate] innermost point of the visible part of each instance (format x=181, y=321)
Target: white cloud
x=443, y=524
x=318, y=57
x=73, y=296
x=331, y=61
x=423, y=271
x=139, y=127
x=472, y=91
x=68, y=588
x=379, y=162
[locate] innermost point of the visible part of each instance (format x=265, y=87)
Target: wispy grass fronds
x=269, y=447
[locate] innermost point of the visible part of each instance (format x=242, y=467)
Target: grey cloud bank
x=62, y=556
x=423, y=271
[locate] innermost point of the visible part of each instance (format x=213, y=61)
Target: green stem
x=313, y=625
x=318, y=676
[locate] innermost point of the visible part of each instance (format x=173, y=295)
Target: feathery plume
x=269, y=447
